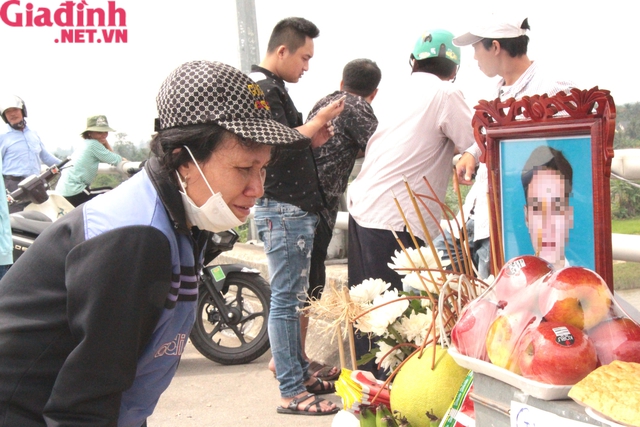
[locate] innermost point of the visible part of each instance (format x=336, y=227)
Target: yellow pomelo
x=417, y=389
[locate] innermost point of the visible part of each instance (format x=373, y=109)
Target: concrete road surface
x=206, y=394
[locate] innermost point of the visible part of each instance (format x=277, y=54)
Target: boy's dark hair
x=441, y=67
x=292, y=32
x=516, y=46
x=548, y=158
x=361, y=77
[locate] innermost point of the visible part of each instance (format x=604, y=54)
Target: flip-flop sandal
x=322, y=371
x=292, y=407
x=318, y=387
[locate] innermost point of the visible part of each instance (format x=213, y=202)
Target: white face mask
x=215, y=215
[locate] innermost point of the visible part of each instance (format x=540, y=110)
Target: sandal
x=292, y=407
x=322, y=371
x=318, y=387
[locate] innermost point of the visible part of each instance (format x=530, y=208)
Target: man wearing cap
x=21, y=147
x=286, y=216
x=500, y=47
x=79, y=174
x=94, y=317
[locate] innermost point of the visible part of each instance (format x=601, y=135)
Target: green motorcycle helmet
x=436, y=43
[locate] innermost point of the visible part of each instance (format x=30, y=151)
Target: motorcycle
x=233, y=300
x=233, y=308
x=40, y=213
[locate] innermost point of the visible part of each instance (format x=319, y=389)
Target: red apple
x=518, y=273
x=556, y=353
x=575, y=295
x=616, y=339
x=469, y=333
x=503, y=336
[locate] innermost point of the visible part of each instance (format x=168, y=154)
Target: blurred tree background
x=625, y=197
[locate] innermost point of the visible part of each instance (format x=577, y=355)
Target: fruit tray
x=532, y=388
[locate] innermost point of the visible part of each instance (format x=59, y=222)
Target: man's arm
x=48, y=158
x=362, y=124
x=276, y=104
x=456, y=124
x=319, y=128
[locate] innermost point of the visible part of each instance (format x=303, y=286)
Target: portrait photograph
x=547, y=199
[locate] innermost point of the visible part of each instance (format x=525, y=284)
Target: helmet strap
x=20, y=125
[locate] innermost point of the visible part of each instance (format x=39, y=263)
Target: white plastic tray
x=603, y=418
x=532, y=388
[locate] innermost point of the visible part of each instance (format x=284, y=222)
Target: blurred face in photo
x=548, y=215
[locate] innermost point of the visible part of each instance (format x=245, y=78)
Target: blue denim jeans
x=480, y=250
x=287, y=233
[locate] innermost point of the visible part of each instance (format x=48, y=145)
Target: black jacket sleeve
x=276, y=99
x=117, y=284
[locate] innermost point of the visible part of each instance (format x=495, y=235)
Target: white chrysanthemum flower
x=392, y=360
x=377, y=321
x=412, y=280
x=412, y=259
x=426, y=303
x=366, y=291
x=415, y=327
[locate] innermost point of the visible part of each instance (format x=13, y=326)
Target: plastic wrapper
x=357, y=388
x=461, y=413
x=549, y=326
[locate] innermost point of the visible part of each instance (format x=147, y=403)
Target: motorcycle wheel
x=244, y=339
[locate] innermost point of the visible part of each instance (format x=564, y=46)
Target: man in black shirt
x=286, y=216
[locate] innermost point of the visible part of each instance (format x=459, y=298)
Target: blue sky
x=63, y=83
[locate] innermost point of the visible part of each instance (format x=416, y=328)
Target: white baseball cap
x=495, y=28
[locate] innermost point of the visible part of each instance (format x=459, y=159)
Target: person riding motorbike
x=20, y=146
x=75, y=180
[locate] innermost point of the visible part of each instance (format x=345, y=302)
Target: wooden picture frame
x=580, y=125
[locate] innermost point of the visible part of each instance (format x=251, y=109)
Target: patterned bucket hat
x=212, y=92
x=97, y=124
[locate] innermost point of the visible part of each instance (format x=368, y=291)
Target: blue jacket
x=95, y=315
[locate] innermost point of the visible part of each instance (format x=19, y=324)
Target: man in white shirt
x=500, y=47
x=430, y=122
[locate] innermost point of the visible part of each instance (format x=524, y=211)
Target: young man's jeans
x=480, y=250
x=287, y=233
